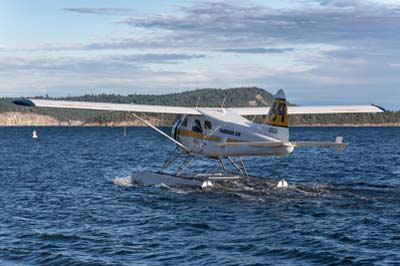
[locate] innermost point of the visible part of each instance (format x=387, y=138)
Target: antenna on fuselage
x=198, y=101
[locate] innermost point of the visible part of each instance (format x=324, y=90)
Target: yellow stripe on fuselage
x=197, y=135
x=187, y=133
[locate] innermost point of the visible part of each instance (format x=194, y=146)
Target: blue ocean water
x=60, y=206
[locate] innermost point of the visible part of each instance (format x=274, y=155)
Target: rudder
x=278, y=112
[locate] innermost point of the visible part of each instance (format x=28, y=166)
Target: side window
x=197, y=126
x=185, y=122
x=207, y=124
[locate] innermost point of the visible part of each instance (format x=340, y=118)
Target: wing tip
x=379, y=107
x=23, y=102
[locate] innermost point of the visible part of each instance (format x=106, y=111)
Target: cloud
x=220, y=26
x=76, y=75
x=340, y=3
x=100, y=11
x=97, y=63
x=318, y=46
x=257, y=50
x=233, y=27
x=155, y=58
x=324, y=24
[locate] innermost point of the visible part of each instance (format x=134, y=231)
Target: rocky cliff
x=32, y=119
x=26, y=119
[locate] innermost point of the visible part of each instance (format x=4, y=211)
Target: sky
x=320, y=52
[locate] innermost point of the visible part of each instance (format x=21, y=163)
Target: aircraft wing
x=141, y=108
x=137, y=108
x=299, y=110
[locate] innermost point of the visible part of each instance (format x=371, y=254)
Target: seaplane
x=222, y=134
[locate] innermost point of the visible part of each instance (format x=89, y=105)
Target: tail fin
x=278, y=112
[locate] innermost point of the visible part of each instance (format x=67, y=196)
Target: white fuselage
x=203, y=133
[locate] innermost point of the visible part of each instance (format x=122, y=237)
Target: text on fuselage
x=272, y=130
x=230, y=132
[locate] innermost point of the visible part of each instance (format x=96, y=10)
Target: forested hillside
x=207, y=98
x=236, y=97
x=249, y=96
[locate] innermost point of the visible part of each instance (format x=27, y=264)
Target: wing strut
x=162, y=133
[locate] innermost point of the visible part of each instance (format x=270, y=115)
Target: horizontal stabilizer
x=338, y=144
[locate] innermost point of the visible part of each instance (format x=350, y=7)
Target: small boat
x=34, y=134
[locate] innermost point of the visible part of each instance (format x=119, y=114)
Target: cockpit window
x=207, y=124
x=197, y=126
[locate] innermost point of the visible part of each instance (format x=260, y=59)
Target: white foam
x=163, y=185
x=249, y=197
x=180, y=191
x=173, y=189
x=123, y=181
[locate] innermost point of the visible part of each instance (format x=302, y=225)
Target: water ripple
x=68, y=199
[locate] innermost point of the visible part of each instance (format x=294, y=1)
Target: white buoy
x=282, y=184
x=207, y=184
x=34, y=134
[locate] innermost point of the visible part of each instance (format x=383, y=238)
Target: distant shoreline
x=18, y=119
x=350, y=125
x=160, y=125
